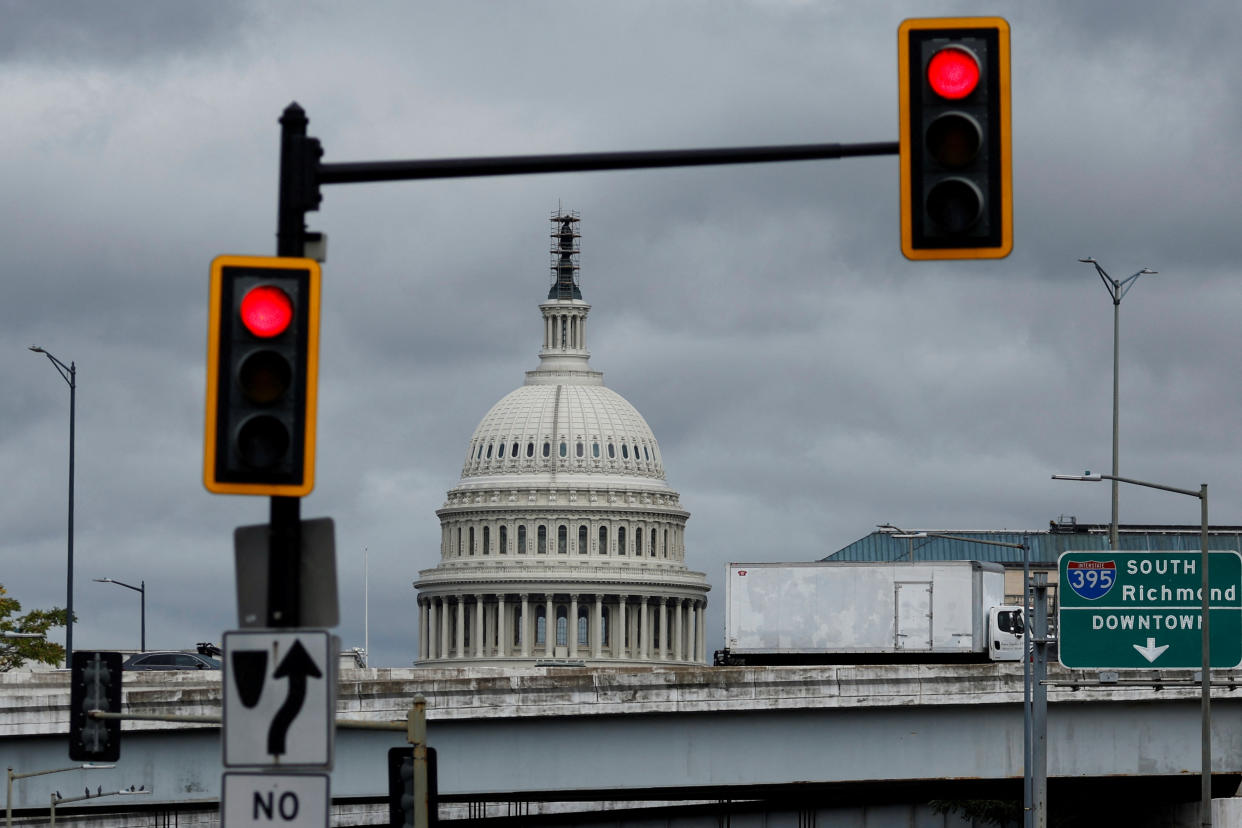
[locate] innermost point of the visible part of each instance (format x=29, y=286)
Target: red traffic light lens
x=953, y=72
x=266, y=311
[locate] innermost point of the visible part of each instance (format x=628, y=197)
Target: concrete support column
x=691, y=643
x=679, y=629
x=461, y=626
x=433, y=635
x=701, y=640
x=644, y=627
x=422, y=629
x=597, y=627
x=573, y=626
x=662, y=642
x=478, y=626
x=618, y=633
x=502, y=627
x=525, y=628
x=549, y=626
x=444, y=628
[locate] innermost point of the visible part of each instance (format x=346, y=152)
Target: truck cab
x=1005, y=633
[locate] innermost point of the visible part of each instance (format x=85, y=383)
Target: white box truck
x=859, y=612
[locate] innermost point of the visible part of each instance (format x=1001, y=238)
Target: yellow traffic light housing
x=262, y=376
x=954, y=115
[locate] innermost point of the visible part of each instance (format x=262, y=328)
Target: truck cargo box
x=890, y=611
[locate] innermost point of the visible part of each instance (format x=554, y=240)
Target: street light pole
x=70, y=374
x=1117, y=290
x=1034, y=694
x=1205, y=687
x=141, y=589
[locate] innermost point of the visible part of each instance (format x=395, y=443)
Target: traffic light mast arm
x=359, y=172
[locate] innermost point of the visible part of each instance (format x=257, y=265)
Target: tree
x=14, y=652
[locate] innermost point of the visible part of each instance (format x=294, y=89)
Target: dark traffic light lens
x=955, y=205
x=264, y=377
x=953, y=73
x=262, y=442
x=266, y=311
x=953, y=139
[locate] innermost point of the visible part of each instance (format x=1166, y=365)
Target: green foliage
x=999, y=812
x=14, y=652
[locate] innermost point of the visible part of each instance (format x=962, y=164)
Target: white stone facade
x=562, y=540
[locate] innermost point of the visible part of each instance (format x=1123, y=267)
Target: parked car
x=170, y=660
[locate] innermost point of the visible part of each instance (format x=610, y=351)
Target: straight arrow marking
x=1151, y=652
x=296, y=666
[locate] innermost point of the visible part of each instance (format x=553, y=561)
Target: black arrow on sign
x=295, y=666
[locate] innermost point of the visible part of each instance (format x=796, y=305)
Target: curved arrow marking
x=297, y=665
x=1151, y=652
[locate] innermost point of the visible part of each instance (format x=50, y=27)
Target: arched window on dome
x=638, y=542
x=625, y=452
x=471, y=540
x=542, y=547
x=666, y=543
x=500, y=451
x=530, y=449
x=562, y=539
x=541, y=625
x=584, y=626
x=521, y=540
x=562, y=626
x=564, y=449
x=487, y=540
x=646, y=454
x=489, y=451
x=620, y=540
x=579, y=450
x=504, y=540
x=636, y=452
x=459, y=541
x=603, y=540
x=547, y=449
x=513, y=450
x=653, y=544
x=595, y=450
x=582, y=539
x=612, y=452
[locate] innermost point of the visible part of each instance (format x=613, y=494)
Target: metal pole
x=1112, y=526
x=1028, y=814
x=1205, y=804
x=8, y=802
x=53, y=809
x=284, y=574
x=142, y=595
x=416, y=734
x=73, y=405
x=1039, y=704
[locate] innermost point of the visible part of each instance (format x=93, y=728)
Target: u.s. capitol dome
x=562, y=540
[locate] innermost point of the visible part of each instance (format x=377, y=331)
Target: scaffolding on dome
x=565, y=252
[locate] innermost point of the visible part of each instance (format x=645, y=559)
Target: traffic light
x=95, y=684
x=401, y=789
x=262, y=373
x=956, y=198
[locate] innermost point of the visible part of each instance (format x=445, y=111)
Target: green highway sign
x=1142, y=610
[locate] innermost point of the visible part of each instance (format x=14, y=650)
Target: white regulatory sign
x=274, y=800
x=279, y=698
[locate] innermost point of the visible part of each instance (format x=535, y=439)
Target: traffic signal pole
x=284, y=576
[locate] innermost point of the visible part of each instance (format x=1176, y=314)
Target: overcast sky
x=804, y=380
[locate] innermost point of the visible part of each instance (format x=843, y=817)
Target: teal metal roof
x=1045, y=545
